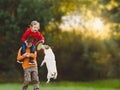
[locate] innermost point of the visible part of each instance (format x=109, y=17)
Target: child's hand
x=42, y=41
x=26, y=43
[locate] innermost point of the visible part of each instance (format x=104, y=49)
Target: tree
x=81, y=50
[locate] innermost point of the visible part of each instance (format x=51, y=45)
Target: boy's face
x=35, y=28
x=29, y=44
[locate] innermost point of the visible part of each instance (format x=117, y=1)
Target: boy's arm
x=19, y=56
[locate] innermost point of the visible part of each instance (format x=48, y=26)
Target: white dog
x=49, y=59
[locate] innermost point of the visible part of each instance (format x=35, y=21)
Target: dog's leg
x=48, y=77
x=55, y=75
x=48, y=80
x=42, y=63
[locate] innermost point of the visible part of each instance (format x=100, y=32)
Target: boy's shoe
x=20, y=62
x=31, y=61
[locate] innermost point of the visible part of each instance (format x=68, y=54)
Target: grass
x=95, y=85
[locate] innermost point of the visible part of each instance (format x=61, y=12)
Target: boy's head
x=35, y=26
x=29, y=41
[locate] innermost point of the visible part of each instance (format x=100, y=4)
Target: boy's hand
x=26, y=55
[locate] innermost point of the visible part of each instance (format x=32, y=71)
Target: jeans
x=32, y=48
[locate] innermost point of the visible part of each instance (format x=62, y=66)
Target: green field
x=96, y=85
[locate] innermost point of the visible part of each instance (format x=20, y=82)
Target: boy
x=30, y=70
x=33, y=32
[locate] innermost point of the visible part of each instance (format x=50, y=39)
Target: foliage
x=79, y=54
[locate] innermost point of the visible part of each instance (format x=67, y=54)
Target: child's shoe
x=21, y=61
x=31, y=61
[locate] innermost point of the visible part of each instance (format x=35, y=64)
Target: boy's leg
x=35, y=78
x=25, y=85
x=32, y=50
x=27, y=79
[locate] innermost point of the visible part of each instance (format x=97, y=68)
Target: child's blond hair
x=35, y=23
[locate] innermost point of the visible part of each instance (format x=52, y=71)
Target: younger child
x=33, y=32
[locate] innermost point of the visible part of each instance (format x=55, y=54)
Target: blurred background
x=84, y=35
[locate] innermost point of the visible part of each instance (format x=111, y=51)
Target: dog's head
x=45, y=47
